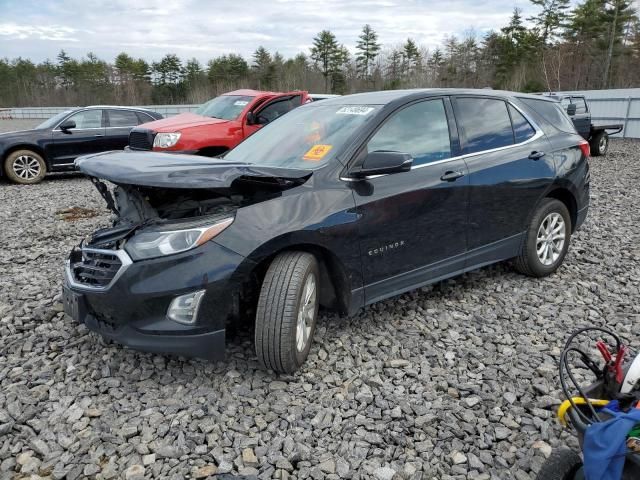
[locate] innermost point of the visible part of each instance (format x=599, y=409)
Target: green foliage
x=552, y=17
x=227, y=67
x=368, y=49
x=264, y=68
x=328, y=57
x=596, y=44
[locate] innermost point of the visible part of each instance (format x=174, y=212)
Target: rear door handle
x=451, y=176
x=536, y=155
x=98, y=135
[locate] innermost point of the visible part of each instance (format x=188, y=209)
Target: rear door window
x=87, y=119
x=122, y=118
x=522, y=129
x=551, y=112
x=420, y=129
x=485, y=123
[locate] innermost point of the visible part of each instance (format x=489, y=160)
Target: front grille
x=141, y=139
x=93, y=268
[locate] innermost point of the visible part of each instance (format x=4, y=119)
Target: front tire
x=25, y=167
x=546, y=241
x=599, y=144
x=287, y=312
x=562, y=464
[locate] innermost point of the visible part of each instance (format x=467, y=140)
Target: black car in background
x=53, y=145
x=339, y=203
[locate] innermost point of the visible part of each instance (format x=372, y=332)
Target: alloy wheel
x=26, y=167
x=550, y=239
x=306, y=313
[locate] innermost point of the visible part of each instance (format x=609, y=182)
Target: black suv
x=53, y=145
x=339, y=203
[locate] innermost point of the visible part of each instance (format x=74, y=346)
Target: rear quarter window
x=551, y=112
x=522, y=129
x=485, y=123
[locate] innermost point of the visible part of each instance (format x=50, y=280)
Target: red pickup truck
x=218, y=125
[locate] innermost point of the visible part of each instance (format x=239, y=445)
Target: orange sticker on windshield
x=317, y=152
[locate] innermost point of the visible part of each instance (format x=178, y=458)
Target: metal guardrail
x=610, y=110
x=47, y=112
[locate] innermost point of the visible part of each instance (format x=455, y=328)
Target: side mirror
x=382, y=163
x=251, y=119
x=67, y=125
x=571, y=109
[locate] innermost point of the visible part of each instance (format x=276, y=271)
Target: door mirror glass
x=382, y=163
x=67, y=125
x=251, y=119
x=571, y=109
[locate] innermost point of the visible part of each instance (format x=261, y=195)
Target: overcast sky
x=38, y=29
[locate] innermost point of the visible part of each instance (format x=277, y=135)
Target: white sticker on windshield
x=241, y=103
x=355, y=110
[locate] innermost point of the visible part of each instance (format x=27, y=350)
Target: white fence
x=47, y=112
x=614, y=106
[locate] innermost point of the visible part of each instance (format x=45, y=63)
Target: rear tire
x=599, y=144
x=562, y=464
x=287, y=312
x=546, y=240
x=25, y=167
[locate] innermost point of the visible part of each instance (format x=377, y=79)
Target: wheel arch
x=565, y=196
x=335, y=287
x=25, y=146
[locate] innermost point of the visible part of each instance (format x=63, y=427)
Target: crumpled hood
x=177, y=122
x=156, y=169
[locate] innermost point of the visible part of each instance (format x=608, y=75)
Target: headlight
x=156, y=244
x=166, y=140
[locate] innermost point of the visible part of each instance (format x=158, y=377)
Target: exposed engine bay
x=161, y=190
x=135, y=206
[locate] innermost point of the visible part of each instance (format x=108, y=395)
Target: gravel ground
x=457, y=380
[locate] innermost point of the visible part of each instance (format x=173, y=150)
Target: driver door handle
x=536, y=155
x=451, y=176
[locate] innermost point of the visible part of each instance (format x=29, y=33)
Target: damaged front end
x=153, y=280
x=157, y=191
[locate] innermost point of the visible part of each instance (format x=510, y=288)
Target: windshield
x=226, y=107
x=307, y=137
x=53, y=121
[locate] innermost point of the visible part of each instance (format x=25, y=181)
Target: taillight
x=584, y=146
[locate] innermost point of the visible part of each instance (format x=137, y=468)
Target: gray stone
x=384, y=473
x=134, y=472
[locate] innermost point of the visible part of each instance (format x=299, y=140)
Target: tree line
x=594, y=45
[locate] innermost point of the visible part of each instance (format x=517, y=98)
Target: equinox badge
x=385, y=248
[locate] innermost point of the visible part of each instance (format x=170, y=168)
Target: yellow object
x=317, y=152
x=566, y=405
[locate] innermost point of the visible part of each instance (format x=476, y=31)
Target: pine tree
x=264, y=68
x=368, y=49
x=411, y=56
x=618, y=13
x=193, y=73
x=324, y=54
x=552, y=18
